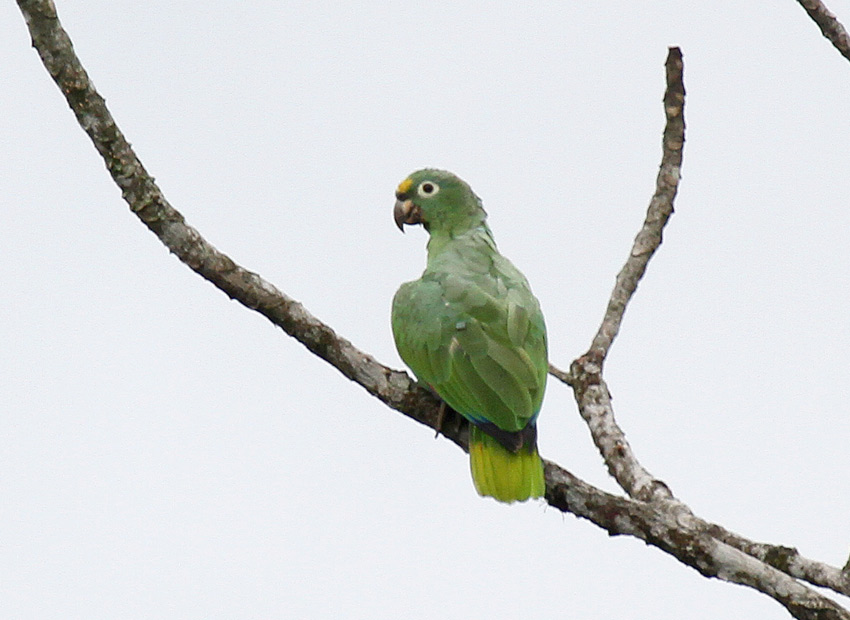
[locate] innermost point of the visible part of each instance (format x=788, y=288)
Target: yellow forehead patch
x=404, y=186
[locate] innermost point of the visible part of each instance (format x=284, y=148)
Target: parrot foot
x=441, y=414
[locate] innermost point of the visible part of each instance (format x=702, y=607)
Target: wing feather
x=514, y=396
x=490, y=406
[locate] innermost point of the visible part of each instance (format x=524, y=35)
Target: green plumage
x=471, y=329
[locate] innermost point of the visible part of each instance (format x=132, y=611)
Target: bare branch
x=786, y=559
x=688, y=540
x=591, y=392
x=675, y=531
x=660, y=209
x=829, y=25
x=595, y=404
x=146, y=200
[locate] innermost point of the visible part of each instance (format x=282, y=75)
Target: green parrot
x=471, y=329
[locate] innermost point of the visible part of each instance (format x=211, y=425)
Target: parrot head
x=438, y=200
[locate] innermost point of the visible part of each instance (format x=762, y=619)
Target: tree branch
x=590, y=389
x=659, y=212
x=679, y=534
x=833, y=30
x=146, y=200
x=704, y=552
x=829, y=25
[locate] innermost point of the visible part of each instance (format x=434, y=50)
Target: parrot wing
x=479, y=341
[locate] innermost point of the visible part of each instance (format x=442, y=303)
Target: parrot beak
x=405, y=212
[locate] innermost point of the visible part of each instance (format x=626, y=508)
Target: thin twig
x=561, y=375
x=829, y=25
x=680, y=535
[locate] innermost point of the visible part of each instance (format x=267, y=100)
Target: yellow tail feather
x=504, y=475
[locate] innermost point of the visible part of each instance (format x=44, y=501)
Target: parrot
x=472, y=331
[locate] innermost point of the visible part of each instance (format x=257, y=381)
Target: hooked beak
x=405, y=212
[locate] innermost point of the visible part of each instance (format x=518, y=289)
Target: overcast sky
x=166, y=453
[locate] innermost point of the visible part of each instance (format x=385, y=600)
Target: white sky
x=166, y=453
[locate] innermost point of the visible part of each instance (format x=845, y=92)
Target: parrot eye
x=427, y=189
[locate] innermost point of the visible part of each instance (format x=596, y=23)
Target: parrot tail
x=502, y=474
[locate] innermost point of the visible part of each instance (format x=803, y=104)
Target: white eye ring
x=427, y=189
